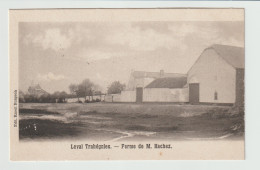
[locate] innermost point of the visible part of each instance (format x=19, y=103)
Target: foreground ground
x=117, y=122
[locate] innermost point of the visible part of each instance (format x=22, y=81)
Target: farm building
x=167, y=89
x=142, y=78
x=218, y=76
x=153, y=87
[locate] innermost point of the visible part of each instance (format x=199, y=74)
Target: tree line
x=86, y=89
x=56, y=97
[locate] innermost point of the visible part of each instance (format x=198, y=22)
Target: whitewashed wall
x=75, y=100
x=180, y=94
x=213, y=73
x=165, y=95
x=113, y=98
x=128, y=96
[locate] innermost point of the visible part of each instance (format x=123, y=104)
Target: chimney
x=161, y=73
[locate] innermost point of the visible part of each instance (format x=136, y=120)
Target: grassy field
x=118, y=122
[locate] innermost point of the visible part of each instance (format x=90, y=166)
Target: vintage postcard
x=127, y=84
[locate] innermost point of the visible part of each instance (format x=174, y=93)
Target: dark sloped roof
x=235, y=56
x=36, y=90
x=168, y=82
x=144, y=74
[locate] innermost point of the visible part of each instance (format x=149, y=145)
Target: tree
x=59, y=96
x=85, y=88
x=63, y=96
x=21, y=96
x=55, y=96
x=96, y=91
x=45, y=98
x=74, y=90
x=29, y=98
x=115, y=87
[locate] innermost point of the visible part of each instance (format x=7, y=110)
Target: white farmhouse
x=218, y=76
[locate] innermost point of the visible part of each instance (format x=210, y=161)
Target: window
x=216, y=95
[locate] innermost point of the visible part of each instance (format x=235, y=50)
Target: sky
x=57, y=54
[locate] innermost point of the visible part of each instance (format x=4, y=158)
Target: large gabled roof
x=235, y=56
x=144, y=74
x=168, y=82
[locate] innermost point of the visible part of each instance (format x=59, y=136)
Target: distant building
x=36, y=90
x=218, y=76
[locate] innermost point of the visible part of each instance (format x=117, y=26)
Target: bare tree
x=74, y=90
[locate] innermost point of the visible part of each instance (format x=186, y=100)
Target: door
x=194, y=93
x=139, y=94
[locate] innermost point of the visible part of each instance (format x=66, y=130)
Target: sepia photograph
x=124, y=83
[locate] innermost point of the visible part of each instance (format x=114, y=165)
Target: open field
x=118, y=122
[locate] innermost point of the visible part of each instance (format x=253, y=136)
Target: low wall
x=113, y=98
x=165, y=95
x=82, y=99
x=125, y=96
x=75, y=100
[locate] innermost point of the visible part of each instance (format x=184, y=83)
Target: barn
x=218, y=76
